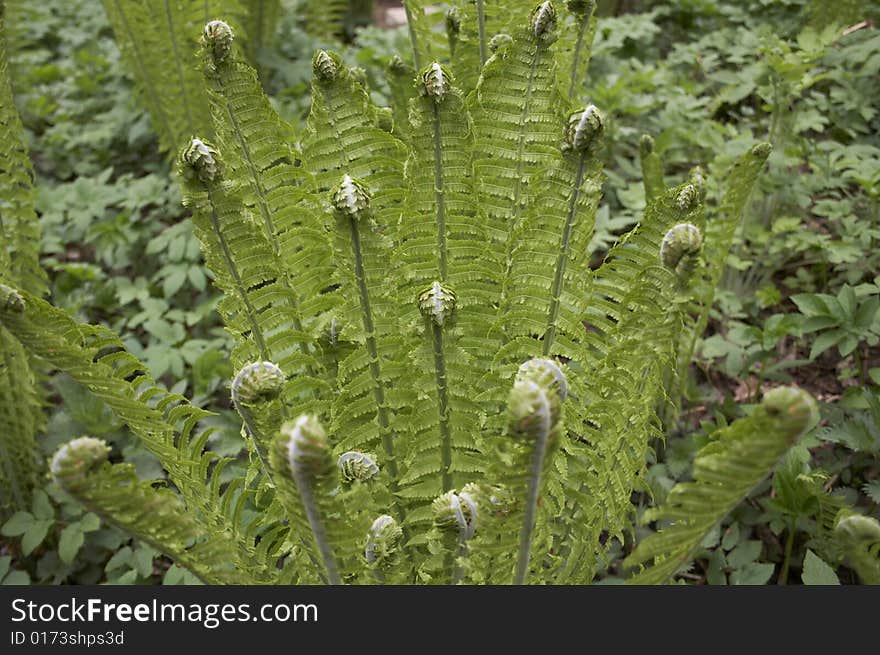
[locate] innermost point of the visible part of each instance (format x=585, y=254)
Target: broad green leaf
x=17, y=524
x=69, y=543
x=817, y=572
x=34, y=535
x=825, y=341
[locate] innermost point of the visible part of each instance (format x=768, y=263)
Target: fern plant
x=435, y=386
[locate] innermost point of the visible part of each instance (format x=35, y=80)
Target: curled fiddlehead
x=534, y=414
x=255, y=393
x=217, y=38
x=355, y=465
x=199, y=161
x=584, y=128
x=680, y=247
x=11, y=300
x=859, y=536
x=310, y=465
x=75, y=459
x=499, y=41
x=437, y=303
x=351, y=198
x=436, y=81
x=325, y=65
x=543, y=22
x=383, y=541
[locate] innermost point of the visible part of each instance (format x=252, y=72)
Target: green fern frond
x=578, y=33
x=154, y=515
x=258, y=309
x=22, y=417
x=165, y=423
x=724, y=472
x=157, y=39
x=517, y=110
x=257, y=155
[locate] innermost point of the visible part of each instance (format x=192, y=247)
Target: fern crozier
x=76, y=458
x=351, y=198
x=355, y=465
x=260, y=381
x=437, y=303
x=218, y=38
x=584, y=127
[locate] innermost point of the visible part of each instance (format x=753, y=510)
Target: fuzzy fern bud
x=199, y=160
x=688, y=198
x=76, y=458
x=455, y=512
x=355, y=465
x=680, y=245
x=437, y=303
x=498, y=42
x=543, y=21
x=11, y=300
x=308, y=452
x=217, y=38
x=257, y=382
x=794, y=406
x=437, y=81
x=646, y=145
x=697, y=179
x=532, y=410
x=325, y=65
x=547, y=373
x=351, y=198
x=584, y=128
x=383, y=539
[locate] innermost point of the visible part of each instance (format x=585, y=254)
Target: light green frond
x=259, y=310
x=158, y=39
x=577, y=31
x=166, y=424
x=150, y=513
x=725, y=470
x=260, y=20
x=258, y=156
x=517, y=111
x=21, y=414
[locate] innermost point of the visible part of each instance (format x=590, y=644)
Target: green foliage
x=386, y=271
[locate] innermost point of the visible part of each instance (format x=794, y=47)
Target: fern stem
x=585, y=23
x=239, y=285
x=372, y=350
x=439, y=195
x=413, y=37
x=562, y=259
x=320, y=534
x=789, y=543
x=177, y=59
x=443, y=407
x=481, y=28
x=537, y=465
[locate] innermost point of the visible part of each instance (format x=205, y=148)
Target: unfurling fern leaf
x=859, y=538
x=724, y=472
x=155, y=516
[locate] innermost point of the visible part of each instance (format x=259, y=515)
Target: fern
x=20, y=406
x=434, y=383
x=724, y=473
x=859, y=537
